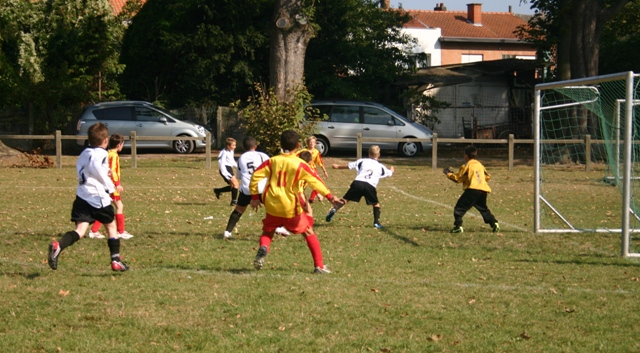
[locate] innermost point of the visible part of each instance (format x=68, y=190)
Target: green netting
x=568, y=115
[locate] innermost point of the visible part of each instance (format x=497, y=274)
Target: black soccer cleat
x=54, y=252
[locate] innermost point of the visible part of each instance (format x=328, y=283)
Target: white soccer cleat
x=125, y=235
x=227, y=235
x=282, y=231
x=95, y=235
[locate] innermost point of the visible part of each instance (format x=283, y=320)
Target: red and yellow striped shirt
x=284, y=173
x=114, y=166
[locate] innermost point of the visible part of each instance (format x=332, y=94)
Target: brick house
x=476, y=63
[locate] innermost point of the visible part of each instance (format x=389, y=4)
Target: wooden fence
x=510, y=142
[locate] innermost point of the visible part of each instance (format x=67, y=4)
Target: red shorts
x=298, y=224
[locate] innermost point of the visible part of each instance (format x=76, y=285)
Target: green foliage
x=200, y=50
x=358, y=51
x=621, y=40
x=265, y=117
x=426, y=108
x=58, y=55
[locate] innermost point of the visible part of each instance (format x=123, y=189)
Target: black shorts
x=359, y=189
x=230, y=170
x=244, y=200
x=82, y=211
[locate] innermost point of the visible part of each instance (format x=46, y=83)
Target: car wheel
x=409, y=149
x=322, y=145
x=183, y=146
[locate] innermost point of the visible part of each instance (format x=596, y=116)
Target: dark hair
x=305, y=156
x=115, y=140
x=97, y=133
x=471, y=151
x=249, y=143
x=289, y=140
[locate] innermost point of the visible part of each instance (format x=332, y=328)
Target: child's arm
x=338, y=166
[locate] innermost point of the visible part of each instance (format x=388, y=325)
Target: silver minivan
x=373, y=120
x=145, y=119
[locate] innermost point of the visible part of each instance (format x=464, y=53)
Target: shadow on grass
x=185, y=267
x=30, y=276
x=191, y=203
x=585, y=262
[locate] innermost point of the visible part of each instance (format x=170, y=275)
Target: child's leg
x=481, y=206
x=96, y=226
x=313, y=196
x=265, y=240
x=218, y=191
x=234, y=194
x=465, y=202
x=376, y=214
x=234, y=218
x=119, y=216
x=314, y=246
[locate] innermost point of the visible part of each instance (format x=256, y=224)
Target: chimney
x=440, y=7
x=385, y=4
x=474, y=13
x=510, y=9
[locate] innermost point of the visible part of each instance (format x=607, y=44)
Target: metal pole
x=626, y=188
x=536, y=160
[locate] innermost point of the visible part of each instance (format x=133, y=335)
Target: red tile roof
x=454, y=23
x=117, y=5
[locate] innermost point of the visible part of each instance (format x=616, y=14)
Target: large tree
x=192, y=51
x=574, y=28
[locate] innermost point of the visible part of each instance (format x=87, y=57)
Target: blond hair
x=374, y=151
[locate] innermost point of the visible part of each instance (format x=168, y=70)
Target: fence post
x=208, y=151
x=434, y=151
x=58, y=149
x=134, y=150
x=511, y=143
x=359, y=145
x=587, y=152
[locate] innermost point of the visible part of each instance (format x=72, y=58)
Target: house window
x=418, y=61
x=471, y=58
x=508, y=56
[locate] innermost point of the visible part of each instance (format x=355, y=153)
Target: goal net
x=586, y=141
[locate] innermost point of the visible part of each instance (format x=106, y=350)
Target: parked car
x=145, y=119
x=373, y=120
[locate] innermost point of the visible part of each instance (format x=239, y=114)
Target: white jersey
x=370, y=170
x=225, y=159
x=94, y=181
x=248, y=163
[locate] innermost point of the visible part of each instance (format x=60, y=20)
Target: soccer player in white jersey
x=370, y=171
x=247, y=163
x=93, y=200
x=225, y=166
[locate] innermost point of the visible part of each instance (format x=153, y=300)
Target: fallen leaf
x=525, y=336
x=375, y=290
x=63, y=293
x=435, y=338
x=569, y=310
x=553, y=290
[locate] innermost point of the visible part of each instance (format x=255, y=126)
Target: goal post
x=568, y=115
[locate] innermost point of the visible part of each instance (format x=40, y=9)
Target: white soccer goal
x=568, y=117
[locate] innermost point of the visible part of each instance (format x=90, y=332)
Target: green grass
x=410, y=287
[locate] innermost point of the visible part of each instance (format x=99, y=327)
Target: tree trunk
x=563, y=50
x=290, y=35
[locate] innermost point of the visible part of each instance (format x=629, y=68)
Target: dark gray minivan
x=373, y=120
x=145, y=119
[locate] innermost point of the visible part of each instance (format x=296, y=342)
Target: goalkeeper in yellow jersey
x=474, y=178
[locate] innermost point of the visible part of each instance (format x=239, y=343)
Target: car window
x=345, y=114
x=119, y=113
x=146, y=114
x=376, y=116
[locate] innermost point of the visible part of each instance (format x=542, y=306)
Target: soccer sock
x=376, y=215
x=68, y=239
x=96, y=226
x=120, y=222
x=233, y=220
x=114, y=248
x=316, y=251
x=224, y=189
x=313, y=195
x=265, y=240
x=234, y=194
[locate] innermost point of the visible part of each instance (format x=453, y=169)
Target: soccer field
x=409, y=287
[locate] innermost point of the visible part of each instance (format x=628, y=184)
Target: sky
x=461, y=5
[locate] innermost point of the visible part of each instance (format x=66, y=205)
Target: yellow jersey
x=114, y=166
x=472, y=175
x=285, y=173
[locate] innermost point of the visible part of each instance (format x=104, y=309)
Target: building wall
x=451, y=53
x=428, y=42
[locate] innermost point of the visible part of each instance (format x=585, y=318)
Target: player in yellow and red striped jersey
x=316, y=162
x=281, y=198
